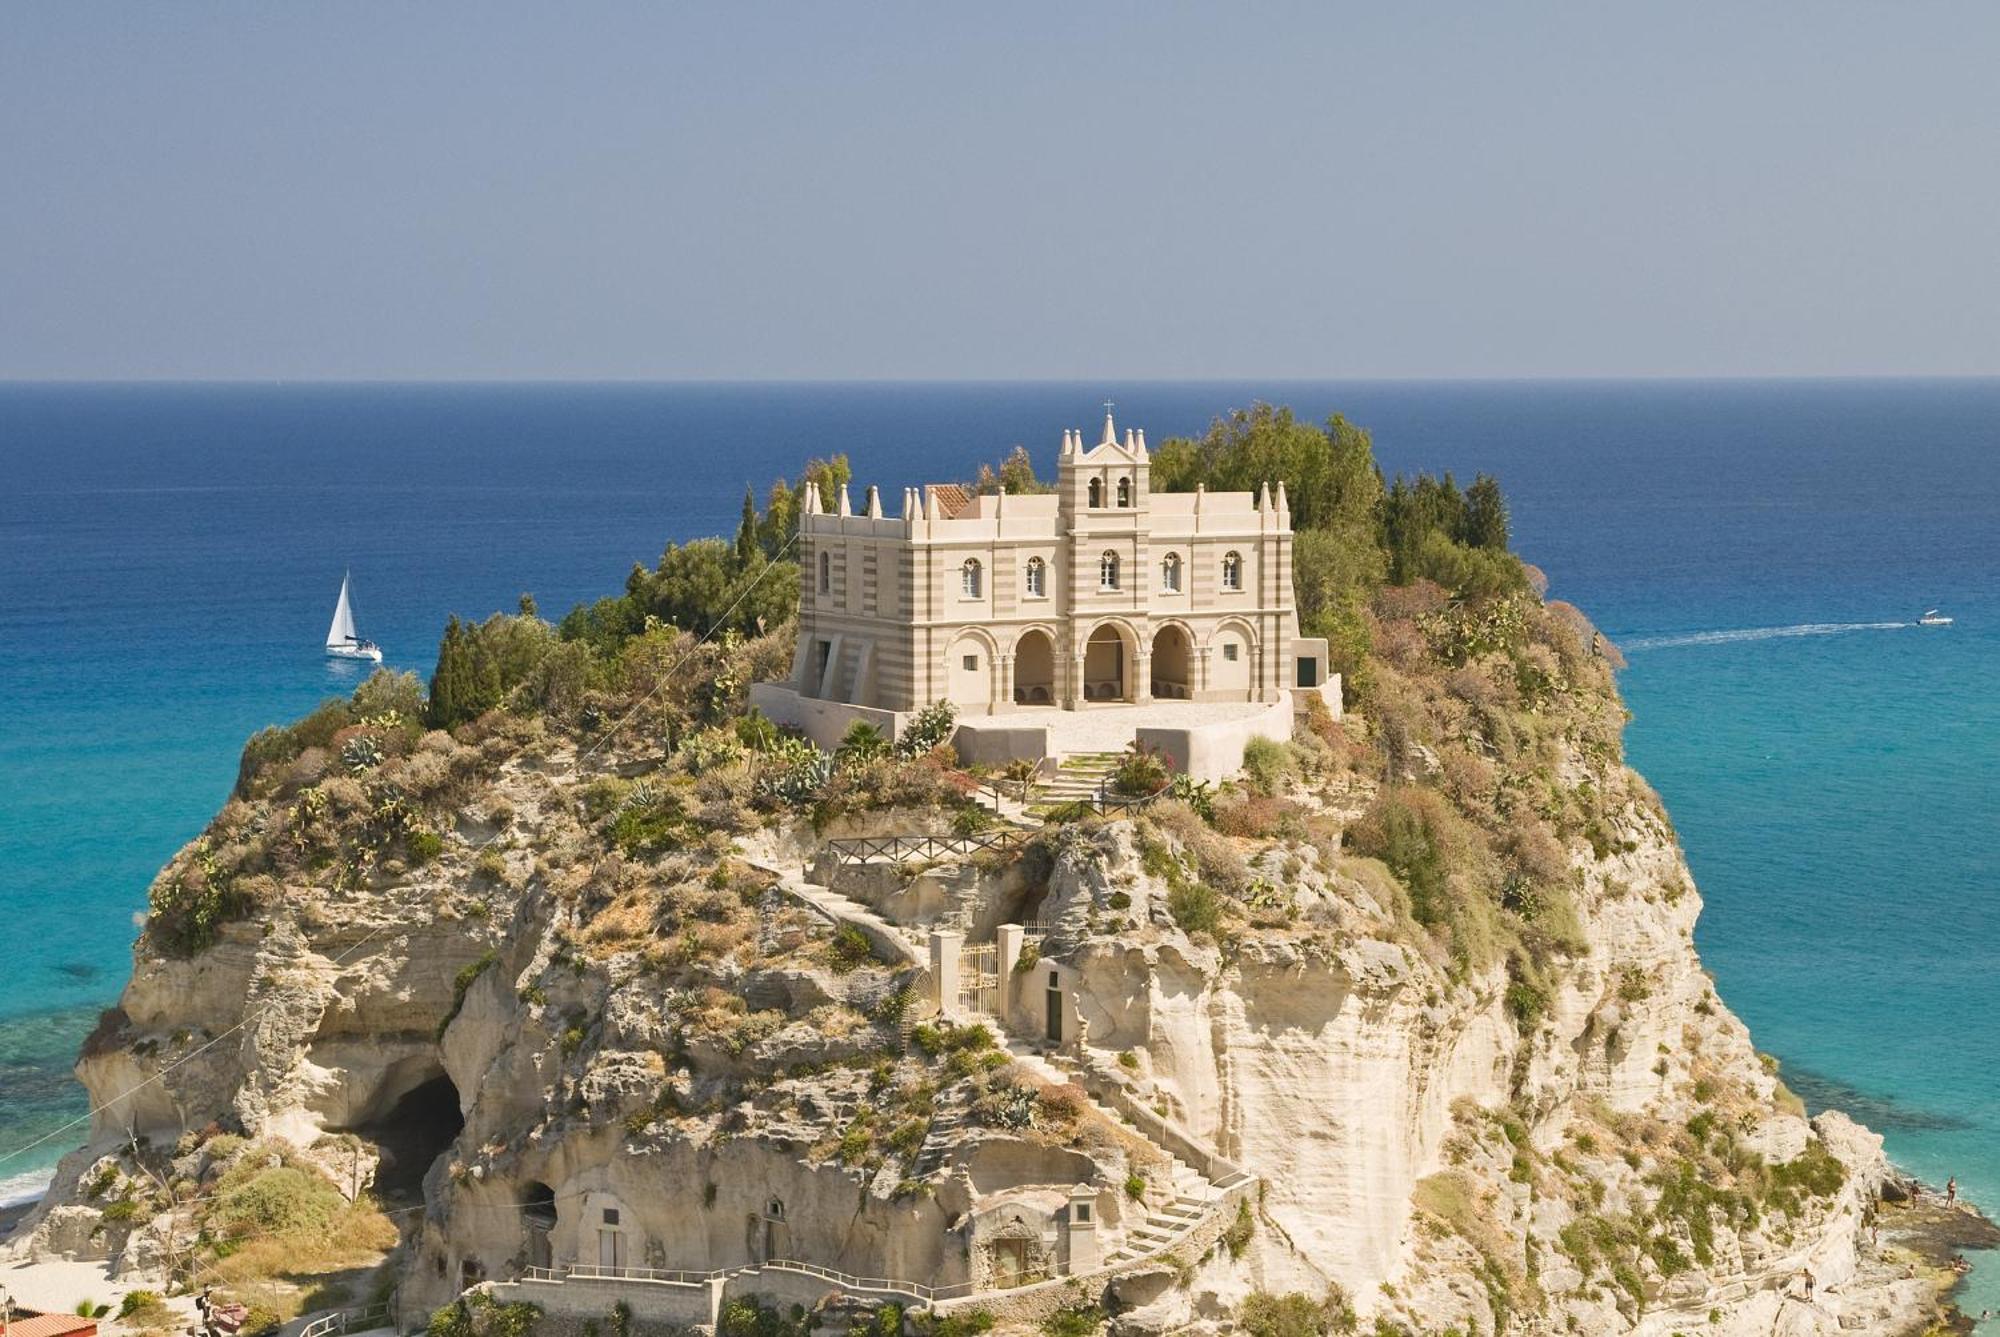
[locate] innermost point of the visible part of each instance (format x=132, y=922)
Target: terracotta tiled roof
x=51, y=1325
x=951, y=499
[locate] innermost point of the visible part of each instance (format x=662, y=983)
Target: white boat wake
x=1754, y=634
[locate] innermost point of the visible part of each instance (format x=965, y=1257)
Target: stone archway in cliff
x=538, y=1219
x=412, y=1133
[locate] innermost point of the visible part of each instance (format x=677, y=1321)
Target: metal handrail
x=345, y=1320
x=597, y=1272
x=916, y=1290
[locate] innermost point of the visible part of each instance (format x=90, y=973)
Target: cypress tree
x=449, y=680
x=746, y=532
x=1485, y=515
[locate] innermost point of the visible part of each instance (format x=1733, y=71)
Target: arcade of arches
x=1111, y=668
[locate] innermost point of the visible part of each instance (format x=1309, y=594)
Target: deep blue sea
x=169, y=557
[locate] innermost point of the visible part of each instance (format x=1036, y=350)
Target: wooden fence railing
x=926, y=849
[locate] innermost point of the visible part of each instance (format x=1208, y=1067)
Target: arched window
x=1037, y=581
x=968, y=578
x=825, y=572
x=1107, y=571
x=1232, y=572
x=1096, y=493
x=1124, y=492
x=1170, y=573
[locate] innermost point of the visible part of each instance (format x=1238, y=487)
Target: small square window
x=1052, y=980
x=1229, y=651
x=971, y=663
x=610, y=1216
x=1082, y=1212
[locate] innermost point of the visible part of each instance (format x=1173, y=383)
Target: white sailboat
x=341, y=640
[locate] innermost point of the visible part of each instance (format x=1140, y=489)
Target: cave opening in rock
x=412, y=1134
x=538, y=1217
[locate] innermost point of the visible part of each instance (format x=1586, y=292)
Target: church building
x=1102, y=592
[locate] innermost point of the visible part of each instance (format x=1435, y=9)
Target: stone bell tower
x=1104, y=523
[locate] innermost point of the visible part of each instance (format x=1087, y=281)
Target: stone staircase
x=1081, y=776
x=1194, y=1196
x=945, y=1124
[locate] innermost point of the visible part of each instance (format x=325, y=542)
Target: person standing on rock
x=1806, y=1273
x=1951, y=1191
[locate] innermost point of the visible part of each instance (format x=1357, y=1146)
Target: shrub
x=1199, y=795
x=929, y=728
x=424, y=845
x=849, y=950
x=1236, y=1235
x=462, y=982
x=1075, y=1321
x=1135, y=1185
x=1195, y=908
x=1267, y=764
x=862, y=742
x=964, y=1323
x=1296, y=1314
x=1141, y=771
x=145, y=1306
x=650, y=822
x=276, y=1201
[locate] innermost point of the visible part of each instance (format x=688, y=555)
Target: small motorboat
x=1933, y=618
x=341, y=640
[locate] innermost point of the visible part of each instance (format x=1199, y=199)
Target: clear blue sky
x=671, y=191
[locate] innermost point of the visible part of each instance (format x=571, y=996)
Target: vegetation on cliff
x=584, y=802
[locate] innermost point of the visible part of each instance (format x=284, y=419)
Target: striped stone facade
x=1102, y=592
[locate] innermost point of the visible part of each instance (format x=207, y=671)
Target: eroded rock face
x=576, y=1057
x=1443, y=1159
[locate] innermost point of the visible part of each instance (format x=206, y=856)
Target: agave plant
x=361, y=753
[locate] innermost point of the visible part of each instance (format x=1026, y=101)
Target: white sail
x=341, y=633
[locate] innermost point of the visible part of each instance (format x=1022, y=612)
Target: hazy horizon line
x=1441, y=379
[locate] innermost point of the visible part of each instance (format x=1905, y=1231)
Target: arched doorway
x=1173, y=665
x=1034, y=670
x=538, y=1217
x=1107, y=665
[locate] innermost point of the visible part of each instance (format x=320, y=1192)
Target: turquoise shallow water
x=169, y=556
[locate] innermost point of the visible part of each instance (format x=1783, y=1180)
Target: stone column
x=1081, y=1227
x=1010, y=938
x=945, y=946
x=1006, y=701
x=1142, y=678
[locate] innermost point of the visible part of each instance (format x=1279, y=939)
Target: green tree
x=746, y=531
x=1016, y=476
x=466, y=683
x=827, y=476
x=1485, y=515
x=780, y=520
